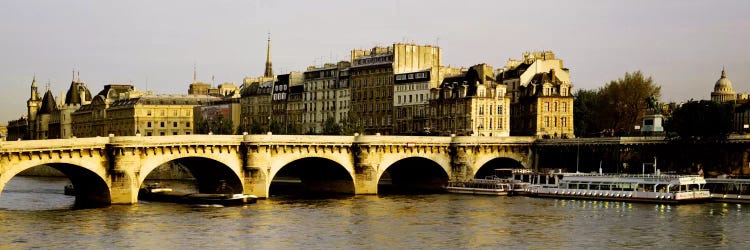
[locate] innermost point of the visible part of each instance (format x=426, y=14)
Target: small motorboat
x=157, y=192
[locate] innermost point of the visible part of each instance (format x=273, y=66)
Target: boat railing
x=638, y=176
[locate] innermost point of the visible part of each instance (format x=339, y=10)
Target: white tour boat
x=487, y=186
x=657, y=188
x=506, y=181
x=729, y=190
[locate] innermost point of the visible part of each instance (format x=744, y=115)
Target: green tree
x=585, y=113
x=352, y=124
x=331, y=127
x=623, y=101
x=255, y=127
x=276, y=127
x=216, y=125
x=700, y=121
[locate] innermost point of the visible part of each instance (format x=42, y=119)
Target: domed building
x=723, y=91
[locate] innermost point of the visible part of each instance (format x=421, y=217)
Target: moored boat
x=729, y=190
x=480, y=186
x=155, y=192
x=626, y=187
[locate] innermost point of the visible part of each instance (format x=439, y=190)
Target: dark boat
x=70, y=190
x=155, y=192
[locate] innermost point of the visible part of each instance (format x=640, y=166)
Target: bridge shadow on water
x=413, y=176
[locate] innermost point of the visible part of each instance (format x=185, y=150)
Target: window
x=546, y=106
x=546, y=121
x=148, y=112
x=174, y=133
x=555, y=106
x=564, y=107
x=564, y=122
x=174, y=124
x=161, y=133
x=162, y=124
x=499, y=109
x=187, y=124
x=148, y=124
x=148, y=134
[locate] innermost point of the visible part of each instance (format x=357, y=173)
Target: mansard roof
x=114, y=90
x=546, y=77
x=166, y=100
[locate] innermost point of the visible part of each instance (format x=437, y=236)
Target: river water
x=34, y=213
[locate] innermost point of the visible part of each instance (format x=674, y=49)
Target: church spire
x=269, y=67
x=195, y=74
x=723, y=73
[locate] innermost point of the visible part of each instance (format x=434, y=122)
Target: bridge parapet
x=53, y=144
x=298, y=139
x=484, y=140
x=403, y=140
x=177, y=140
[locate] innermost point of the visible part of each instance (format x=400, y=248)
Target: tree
x=351, y=125
x=216, y=125
x=331, y=127
x=585, y=113
x=700, y=121
x=623, y=102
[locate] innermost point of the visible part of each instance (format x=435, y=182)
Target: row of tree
x=614, y=109
x=619, y=106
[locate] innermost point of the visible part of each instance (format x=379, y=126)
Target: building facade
x=541, y=96
x=121, y=111
x=471, y=103
x=411, y=102
x=323, y=96
x=255, y=105
x=372, y=76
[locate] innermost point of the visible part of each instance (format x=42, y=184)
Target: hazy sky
x=154, y=44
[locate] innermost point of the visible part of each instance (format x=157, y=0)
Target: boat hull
x=195, y=198
x=477, y=191
x=643, y=197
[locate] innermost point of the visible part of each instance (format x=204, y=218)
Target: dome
x=723, y=85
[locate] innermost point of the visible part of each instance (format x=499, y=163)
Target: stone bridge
x=110, y=170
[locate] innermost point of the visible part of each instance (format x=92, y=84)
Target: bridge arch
x=209, y=170
x=487, y=169
x=89, y=178
x=413, y=174
x=319, y=174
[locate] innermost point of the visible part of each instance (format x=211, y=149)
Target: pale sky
x=683, y=45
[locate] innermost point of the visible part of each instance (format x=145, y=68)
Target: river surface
x=34, y=213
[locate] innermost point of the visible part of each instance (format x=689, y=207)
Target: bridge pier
x=366, y=177
x=123, y=178
x=461, y=162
